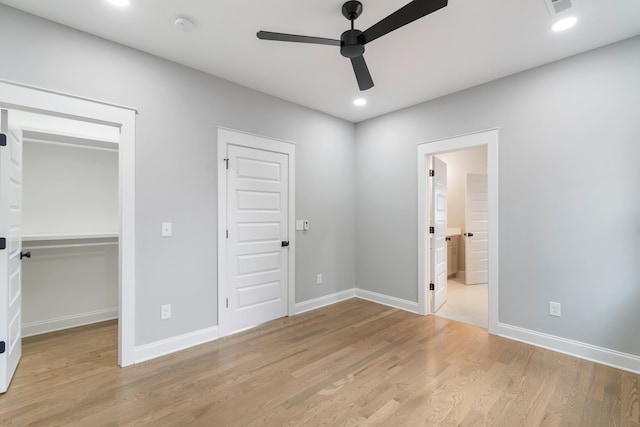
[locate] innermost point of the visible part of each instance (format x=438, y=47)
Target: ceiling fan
x=352, y=41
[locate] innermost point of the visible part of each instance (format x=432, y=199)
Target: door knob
x=25, y=255
x=468, y=234
x=285, y=243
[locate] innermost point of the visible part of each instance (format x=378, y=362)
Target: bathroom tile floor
x=466, y=303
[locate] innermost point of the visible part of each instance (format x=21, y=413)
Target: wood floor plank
x=630, y=405
x=354, y=363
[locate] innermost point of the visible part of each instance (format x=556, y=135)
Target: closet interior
x=70, y=222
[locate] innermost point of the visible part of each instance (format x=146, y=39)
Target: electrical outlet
x=166, y=229
x=319, y=279
x=555, y=309
x=165, y=311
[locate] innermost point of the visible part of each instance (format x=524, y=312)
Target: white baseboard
x=394, y=302
x=605, y=356
x=323, y=301
x=66, y=322
x=170, y=345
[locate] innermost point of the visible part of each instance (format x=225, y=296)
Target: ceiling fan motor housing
x=350, y=47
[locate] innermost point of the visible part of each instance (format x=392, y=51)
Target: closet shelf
x=36, y=135
x=68, y=236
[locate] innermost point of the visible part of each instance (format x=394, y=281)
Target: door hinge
x=227, y=302
x=432, y=287
x=3, y=243
x=2, y=347
x=3, y=139
x=227, y=162
x=432, y=172
x=227, y=234
x=432, y=230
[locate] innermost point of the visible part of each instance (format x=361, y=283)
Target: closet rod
x=72, y=245
x=70, y=145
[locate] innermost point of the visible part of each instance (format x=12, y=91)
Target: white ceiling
x=467, y=43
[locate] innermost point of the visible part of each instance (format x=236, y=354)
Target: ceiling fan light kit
x=352, y=42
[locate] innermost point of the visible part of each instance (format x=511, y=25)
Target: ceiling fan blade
x=401, y=17
x=362, y=73
x=267, y=35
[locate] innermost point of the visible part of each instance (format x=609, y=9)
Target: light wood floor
x=353, y=363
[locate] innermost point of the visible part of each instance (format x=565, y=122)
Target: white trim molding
x=605, y=356
x=65, y=322
x=402, y=304
x=171, y=345
x=323, y=301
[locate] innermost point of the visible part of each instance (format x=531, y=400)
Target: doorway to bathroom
x=466, y=239
x=458, y=223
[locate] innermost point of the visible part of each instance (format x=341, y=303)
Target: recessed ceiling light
x=119, y=3
x=185, y=24
x=565, y=23
x=359, y=102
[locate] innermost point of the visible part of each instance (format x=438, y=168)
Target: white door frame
x=29, y=98
x=230, y=136
x=460, y=142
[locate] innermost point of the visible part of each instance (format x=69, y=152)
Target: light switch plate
x=555, y=309
x=166, y=229
x=165, y=311
x=299, y=225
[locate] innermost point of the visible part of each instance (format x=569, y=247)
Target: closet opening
x=70, y=223
x=85, y=114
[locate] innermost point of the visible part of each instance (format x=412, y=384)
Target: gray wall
x=569, y=193
x=179, y=111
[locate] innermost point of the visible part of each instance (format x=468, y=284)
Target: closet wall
x=70, y=223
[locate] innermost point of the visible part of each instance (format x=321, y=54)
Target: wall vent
x=556, y=7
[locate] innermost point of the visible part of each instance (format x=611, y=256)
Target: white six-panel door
x=10, y=264
x=257, y=216
x=476, y=229
x=439, y=237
